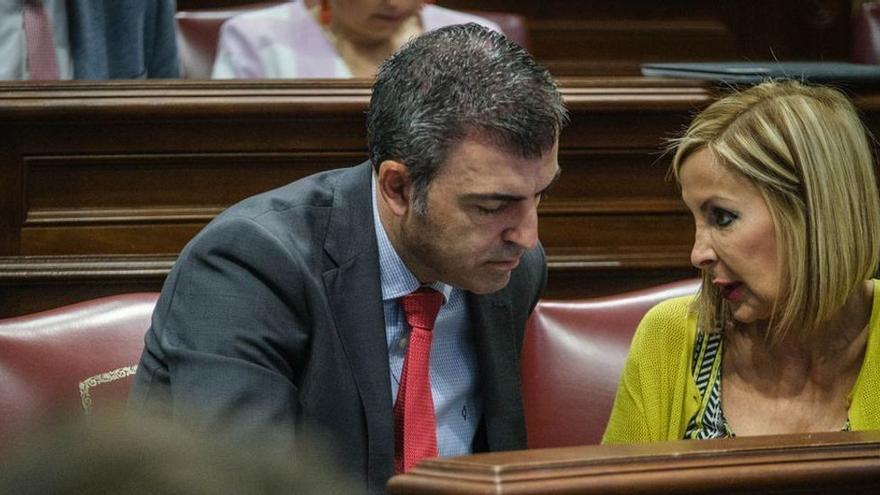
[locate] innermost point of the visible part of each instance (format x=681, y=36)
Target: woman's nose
x=702, y=254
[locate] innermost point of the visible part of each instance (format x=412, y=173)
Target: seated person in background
x=310, y=306
x=87, y=39
x=332, y=38
x=783, y=334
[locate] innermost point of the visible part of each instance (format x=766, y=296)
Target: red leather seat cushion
x=73, y=358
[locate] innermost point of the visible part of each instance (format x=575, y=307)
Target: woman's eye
x=722, y=217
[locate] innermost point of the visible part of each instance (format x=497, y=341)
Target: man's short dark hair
x=455, y=82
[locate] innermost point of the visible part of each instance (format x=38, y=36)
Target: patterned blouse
x=709, y=421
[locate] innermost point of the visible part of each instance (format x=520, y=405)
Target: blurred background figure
x=326, y=38
x=140, y=455
x=87, y=39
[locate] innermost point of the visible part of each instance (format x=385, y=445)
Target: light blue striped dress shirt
x=457, y=403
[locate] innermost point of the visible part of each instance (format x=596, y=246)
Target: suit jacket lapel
x=355, y=296
x=498, y=358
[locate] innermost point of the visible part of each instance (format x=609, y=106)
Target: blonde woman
x=784, y=334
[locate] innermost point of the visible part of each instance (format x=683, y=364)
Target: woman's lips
x=732, y=292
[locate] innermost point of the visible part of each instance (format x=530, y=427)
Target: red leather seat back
x=573, y=356
x=866, y=34
x=74, y=358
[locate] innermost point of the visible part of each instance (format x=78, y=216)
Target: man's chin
x=488, y=283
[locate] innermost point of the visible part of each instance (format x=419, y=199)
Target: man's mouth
x=505, y=264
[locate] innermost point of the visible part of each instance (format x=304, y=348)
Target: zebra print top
x=708, y=422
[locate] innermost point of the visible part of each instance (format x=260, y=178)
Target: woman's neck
x=791, y=387
x=838, y=352
x=364, y=56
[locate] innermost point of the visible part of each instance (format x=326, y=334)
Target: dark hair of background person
x=137, y=455
x=456, y=82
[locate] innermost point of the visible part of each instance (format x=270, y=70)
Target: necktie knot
x=421, y=308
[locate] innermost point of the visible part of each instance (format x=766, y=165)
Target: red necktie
x=41, y=61
x=414, y=422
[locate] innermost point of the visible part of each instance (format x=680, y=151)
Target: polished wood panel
x=825, y=463
x=609, y=37
x=33, y=283
x=103, y=184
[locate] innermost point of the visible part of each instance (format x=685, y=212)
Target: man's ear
x=394, y=186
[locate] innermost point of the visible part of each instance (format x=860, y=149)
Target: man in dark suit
x=284, y=313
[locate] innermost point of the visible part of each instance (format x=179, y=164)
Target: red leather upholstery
x=82, y=356
x=74, y=358
x=199, y=30
x=573, y=355
x=866, y=34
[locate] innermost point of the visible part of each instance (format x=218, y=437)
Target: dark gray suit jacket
x=272, y=318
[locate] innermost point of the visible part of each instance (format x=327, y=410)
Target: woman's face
x=735, y=240
x=373, y=21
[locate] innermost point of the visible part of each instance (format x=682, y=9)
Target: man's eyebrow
x=508, y=197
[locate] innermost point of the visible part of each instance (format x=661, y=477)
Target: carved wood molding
x=21, y=269
x=827, y=463
x=185, y=98
x=18, y=270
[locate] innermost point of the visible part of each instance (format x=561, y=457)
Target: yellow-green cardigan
x=657, y=395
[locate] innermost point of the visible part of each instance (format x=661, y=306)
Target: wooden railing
x=846, y=463
x=102, y=184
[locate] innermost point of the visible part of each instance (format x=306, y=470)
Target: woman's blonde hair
x=807, y=152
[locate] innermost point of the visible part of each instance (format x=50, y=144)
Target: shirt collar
x=397, y=280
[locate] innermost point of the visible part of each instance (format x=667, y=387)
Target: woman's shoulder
x=671, y=311
x=669, y=324
x=281, y=12
x=283, y=15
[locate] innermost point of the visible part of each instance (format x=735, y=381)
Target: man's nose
x=525, y=232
